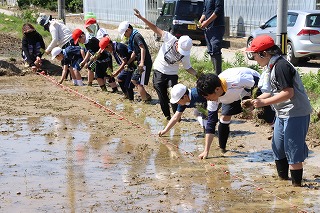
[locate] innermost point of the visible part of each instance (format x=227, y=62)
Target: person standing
x=287, y=95
x=140, y=52
x=166, y=65
x=32, y=47
x=212, y=21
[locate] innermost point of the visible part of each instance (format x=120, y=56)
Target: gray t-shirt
x=284, y=75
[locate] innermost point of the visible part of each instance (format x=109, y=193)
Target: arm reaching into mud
x=176, y=117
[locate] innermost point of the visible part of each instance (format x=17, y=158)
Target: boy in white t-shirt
x=229, y=88
x=166, y=65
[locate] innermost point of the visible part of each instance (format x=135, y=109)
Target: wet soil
x=77, y=149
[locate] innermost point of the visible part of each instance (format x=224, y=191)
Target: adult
x=229, y=88
x=287, y=95
x=212, y=21
x=166, y=65
x=141, y=54
x=32, y=47
x=185, y=98
x=61, y=35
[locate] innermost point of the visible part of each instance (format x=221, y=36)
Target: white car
x=303, y=27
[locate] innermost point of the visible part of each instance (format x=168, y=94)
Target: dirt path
x=82, y=150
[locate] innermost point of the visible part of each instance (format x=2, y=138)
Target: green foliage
x=29, y=15
x=311, y=82
x=70, y=5
x=13, y=25
x=74, y=5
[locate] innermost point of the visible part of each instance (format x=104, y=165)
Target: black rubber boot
x=130, y=94
x=217, y=63
x=282, y=168
x=296, y=177
x=103, y=88
x=223, y=134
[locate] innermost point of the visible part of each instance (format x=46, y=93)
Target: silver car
x=303, y=28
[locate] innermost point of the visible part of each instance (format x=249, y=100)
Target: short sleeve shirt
x=166, y=49
x=238, y=79
x=195, y=99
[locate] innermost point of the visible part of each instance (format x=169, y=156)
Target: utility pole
x=282, y=25
x=61, y=10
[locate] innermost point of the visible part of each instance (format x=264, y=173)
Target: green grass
x=13, y=25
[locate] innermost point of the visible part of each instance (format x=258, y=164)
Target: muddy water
x=69, y=162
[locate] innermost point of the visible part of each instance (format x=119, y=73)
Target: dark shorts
x=143, y=78
x=101, y=69
x=76, y=64
x=126, y=78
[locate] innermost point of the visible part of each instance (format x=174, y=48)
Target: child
x=73, y=56
x=121, y=54
x=102, y=63
x=140, y=52
x=285, y=92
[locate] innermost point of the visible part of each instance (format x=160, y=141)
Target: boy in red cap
x=121, y=54
x=283, y=89
x=102, y=63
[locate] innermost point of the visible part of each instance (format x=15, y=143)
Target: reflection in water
x=67, y=164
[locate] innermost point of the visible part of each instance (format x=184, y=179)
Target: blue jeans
x=289, y=138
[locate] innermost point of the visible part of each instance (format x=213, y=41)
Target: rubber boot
x=103, y=88
x=282, y=168
x=296, y=177
x=130, y=94
x=223, y=134
x=217, y=63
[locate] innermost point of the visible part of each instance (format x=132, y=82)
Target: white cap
x=123, y=26
x=177, y=92
x=55, y=52
x=184, y=45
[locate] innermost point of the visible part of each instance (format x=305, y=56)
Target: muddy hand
x=246, y=103
x=203, y=155
x=137, y=13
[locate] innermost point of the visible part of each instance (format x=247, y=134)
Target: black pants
x=161, y=83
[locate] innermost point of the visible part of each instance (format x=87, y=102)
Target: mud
x=76, y=149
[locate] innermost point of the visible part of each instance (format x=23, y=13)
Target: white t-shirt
x=60, y=34
x=161, y=64
x=238, y=79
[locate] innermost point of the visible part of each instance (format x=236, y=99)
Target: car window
x=291, y=20
x=192, y=10
x=168, y=9
x=271, y=23
x=313, y=20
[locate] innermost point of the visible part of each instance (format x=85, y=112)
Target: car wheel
x=249, y=55
x=290, y=54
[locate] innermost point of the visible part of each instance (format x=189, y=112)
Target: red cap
x=90, y=21
x=76, y=35
x=260, y=43
x=104, y=42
